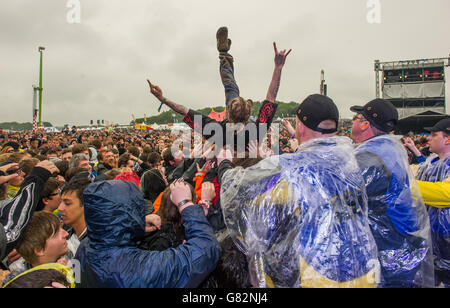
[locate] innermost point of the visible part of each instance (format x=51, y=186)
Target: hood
x=25, y=279
x=129, y=177
x=94, y=155
x=114, y=213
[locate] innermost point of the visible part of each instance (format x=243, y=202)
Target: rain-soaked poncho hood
x=397, y=214
x=114, y=213
x=109, y=258
x=94, y=155
x=301, y=218
x=66, y=271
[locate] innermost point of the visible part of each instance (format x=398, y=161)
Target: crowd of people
x=232, y=204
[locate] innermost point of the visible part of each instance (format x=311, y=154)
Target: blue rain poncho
x=397, y=214
x=301, y=218
x=438, y=170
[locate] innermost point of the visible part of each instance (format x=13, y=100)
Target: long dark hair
x=169, y=212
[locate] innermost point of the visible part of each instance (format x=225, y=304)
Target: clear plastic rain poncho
x=301, y=218
x=397, y=214
x=436, y=170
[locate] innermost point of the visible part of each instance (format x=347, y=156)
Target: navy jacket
x=114, y=212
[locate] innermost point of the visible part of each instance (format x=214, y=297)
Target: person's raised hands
x=206, y=167
x=156, y=91
x=49, y=166
x=264, y=149
x=5, y=169
x=152, y=223
x=253, y=149
x=280, y=56
x=208, y=151
x=208, y=194
x=180, y=191
x=208, y=191
x=224, y=154
x=9, y=167
x=196, y=152
x=293, y=144
x=63, y=261
x=409, y=143
x=289, y=128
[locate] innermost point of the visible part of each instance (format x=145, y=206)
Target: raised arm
x=15, y=215
x=280, y=60
x=157, y=92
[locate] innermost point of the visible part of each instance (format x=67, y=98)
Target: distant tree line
x=20, y=126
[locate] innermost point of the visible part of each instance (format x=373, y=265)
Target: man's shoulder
x=100, y=167
x=384, y=147
x=445, y=161
x=104, y=166
x=148, y=173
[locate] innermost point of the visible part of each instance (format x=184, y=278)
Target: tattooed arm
x=157, y=92
x=280, y=60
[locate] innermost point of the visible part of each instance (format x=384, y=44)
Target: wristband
x=184, y=202
x=163, y=101
x=209, y=202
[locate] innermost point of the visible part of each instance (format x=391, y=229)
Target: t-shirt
x=224, y=132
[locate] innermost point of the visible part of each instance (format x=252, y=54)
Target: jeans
x=227, y=76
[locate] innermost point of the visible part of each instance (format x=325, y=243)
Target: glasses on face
x=358, y=118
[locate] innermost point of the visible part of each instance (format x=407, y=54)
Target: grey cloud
x=97, y=69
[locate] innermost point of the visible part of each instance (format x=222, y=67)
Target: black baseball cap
x=442, y=126
x=380, y=113
x=315, y=109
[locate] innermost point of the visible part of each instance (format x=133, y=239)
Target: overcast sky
x=97, y=69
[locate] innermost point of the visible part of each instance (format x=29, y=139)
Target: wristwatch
x=209, y=202
x=184, y=202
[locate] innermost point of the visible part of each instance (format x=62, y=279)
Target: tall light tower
x=35, y=108
x=323, y=86
x=377, y=78
x=41, y=49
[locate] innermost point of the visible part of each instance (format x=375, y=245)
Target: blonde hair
x=4, y=158
x=6, y=149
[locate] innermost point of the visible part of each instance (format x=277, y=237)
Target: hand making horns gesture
x=280, y=56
